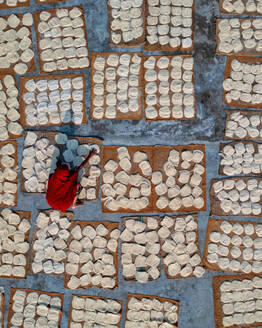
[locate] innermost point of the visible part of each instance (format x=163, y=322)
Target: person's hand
x=92, y=152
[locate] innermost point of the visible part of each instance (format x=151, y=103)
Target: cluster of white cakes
x=35, y=309
x=54, y=101
x=126, y=21
x=91, y=256
x=14, y=244
x=140, y=255
x=38, y=161
x=244, y=83
x=179, y=185
x=241, y=158
x=122, y=189
x=244, y=126
x=62, y=40
x=241, y=301
x=151, y=312
x=16, y=50
x=169, y=23
x=242, y=6
x=8, y=173
x=50, y=242
x=169, y=87
x=179, y=242
x=235, y=247
x=94, y=312
x=116, y=85
x=13, y=3
x=9, y=115
x=239, y=35
x=238, y=196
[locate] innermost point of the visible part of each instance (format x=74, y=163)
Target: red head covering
x=62, y=187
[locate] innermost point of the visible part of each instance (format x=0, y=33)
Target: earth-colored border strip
x=119, y=116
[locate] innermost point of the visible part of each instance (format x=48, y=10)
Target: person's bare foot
x=77, y=203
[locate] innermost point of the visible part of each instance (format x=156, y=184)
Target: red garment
x=62, y=188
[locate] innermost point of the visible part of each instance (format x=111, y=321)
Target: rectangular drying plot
x=116, y=86
x=148, y=309
x=239, y=36
x=61, y=39
x=10, y=4
x=49, y=242
x=240, y=158
x=180, y=248
x=9, y=171
x=233, y=246
x=34, y=308
x=169, y=25
x=92, y=258
x=10, y=116
x=243, y=125
x=126, y=22
x=94, y=311
x=126, y=179
x=242, y=86
x=237, y=301
x=179, y=178
x=52, y=100
x=40, y=154
x=17, y=29
x=243, y=7
x=15, y=244
x=140, y=249
x=236, y=196
x=169, y=91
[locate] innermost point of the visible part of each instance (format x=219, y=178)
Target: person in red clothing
x=62, y=186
